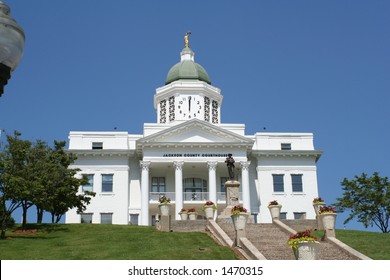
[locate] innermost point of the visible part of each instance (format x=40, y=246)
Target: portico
x=189, y=184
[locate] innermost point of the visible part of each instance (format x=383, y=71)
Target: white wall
x=115, y=202
x=273, y=141
x=291, y=201
x=111, y=140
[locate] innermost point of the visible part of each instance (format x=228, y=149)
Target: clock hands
x=189, y=104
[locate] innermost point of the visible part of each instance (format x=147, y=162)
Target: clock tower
x=188, y=93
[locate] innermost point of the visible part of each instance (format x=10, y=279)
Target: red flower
x=273, y=202
x=238, y=209
x=318, y=199
x=326, y=209
x=301, y=234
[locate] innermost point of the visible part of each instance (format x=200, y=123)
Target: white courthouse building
x=183, y=155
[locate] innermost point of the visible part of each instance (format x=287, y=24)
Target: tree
x=368, y=199
x=12, y=181
x=36, y=174
x=39, y=167
x=28, y=165
x=34, y=169
x=61, y=185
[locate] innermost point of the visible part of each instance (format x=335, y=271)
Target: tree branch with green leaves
x=367, y=199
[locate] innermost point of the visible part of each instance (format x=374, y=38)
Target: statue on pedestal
x=230, y=165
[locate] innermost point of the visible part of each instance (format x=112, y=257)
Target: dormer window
x=97, y=145
x=286, y=146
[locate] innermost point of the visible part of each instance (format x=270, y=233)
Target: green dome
x=187, y=69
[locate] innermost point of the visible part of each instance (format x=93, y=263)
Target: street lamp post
x=11, y=45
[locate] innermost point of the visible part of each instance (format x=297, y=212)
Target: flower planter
x=240, y=220
x=184, y=216
x=164, y=209
x=306, y=250
x=328, y=220
x=317, y=206
x=209, y=212
x=275, y=211
x=192, y=216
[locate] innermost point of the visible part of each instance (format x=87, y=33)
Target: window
x=194, y=189
x=223, y=181
x=286, y=146
x=278, y=182
x=158, y=184
x=299, y=215
x=283, y=216
x=107, y=182
x=86, y=218
x=296, y=180
x=106, y=218
x=222, y=194
x=88, y=187
x=134, y=219
x=97, y=145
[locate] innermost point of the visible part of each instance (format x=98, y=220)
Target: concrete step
x=301, y=225
x=189, y=225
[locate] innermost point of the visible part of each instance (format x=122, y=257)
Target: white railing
x=189, y=196
x=154, y=196
x=195, y=196
x=221, y=196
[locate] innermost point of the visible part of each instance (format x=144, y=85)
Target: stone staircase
x=271, y=241
x=267, y=238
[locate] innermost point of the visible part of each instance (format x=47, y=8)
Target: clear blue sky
x=289, y=66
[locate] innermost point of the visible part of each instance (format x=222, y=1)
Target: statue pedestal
x=232, y=199
x=232, y=193
x=163, y=223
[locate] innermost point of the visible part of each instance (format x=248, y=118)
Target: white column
x=178, y=187
x=212, y=165
x=144, y=193
x=246, y=200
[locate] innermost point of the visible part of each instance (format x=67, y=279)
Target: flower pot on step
x=275, y=211
x=317, y=207
x=328, y=220
x=306, y=250
x=209, y=212
x=240, y=220
x=192, y=216
x=164, y=209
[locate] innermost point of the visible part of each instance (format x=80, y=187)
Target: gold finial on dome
x=186, y=41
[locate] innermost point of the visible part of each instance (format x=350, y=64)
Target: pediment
x=195, y=132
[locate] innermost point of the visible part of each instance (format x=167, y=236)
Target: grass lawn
x=375, y=245
x=109, y=242
x=115, y=242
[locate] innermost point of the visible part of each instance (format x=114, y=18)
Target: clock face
x=189, y=106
